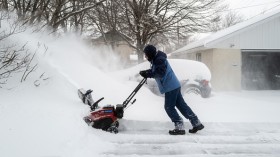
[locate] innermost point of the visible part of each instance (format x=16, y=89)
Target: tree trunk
x=140, y=52
x=4, y=5
x=140, y=56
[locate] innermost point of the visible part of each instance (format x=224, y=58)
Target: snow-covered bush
x=15, y=58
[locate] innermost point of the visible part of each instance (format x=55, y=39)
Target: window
x=198, y=57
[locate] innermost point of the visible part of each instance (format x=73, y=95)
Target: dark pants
x=174, y=99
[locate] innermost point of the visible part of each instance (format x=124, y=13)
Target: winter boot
x=179, y=129
x=196, y=128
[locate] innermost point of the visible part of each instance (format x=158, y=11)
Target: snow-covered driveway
x=217, y=139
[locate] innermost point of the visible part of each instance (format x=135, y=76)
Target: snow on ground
x=46, y=121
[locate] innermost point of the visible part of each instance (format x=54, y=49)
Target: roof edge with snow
x=230, y=31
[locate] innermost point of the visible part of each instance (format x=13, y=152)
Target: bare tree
x=166, y=16
x=144, y=20
x=54, y=13
x=3, y=4
x=230, y=19
x=63, y=10
x=137, y=21
x=13, y=59
x=106, y=18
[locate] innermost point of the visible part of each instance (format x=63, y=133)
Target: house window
x=198, y=57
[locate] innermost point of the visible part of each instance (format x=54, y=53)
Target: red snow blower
x=106, y=118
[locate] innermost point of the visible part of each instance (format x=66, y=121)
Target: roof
x=221, y=35
x=113, y=35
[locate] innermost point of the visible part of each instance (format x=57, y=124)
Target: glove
x=144, y=73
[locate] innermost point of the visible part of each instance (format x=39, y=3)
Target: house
x=118, y=42
x=245, y=56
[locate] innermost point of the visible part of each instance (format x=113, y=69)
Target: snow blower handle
x=125, y=103
x=95, y=105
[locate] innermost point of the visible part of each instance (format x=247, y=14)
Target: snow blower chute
x=106, y=118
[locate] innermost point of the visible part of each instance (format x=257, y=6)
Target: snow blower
x=106, y=118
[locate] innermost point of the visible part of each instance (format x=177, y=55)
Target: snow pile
x=43, y=115
x=46, y=121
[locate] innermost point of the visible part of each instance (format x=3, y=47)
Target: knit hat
x=150, y=52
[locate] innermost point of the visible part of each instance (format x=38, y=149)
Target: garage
x=245, y=56
x=260, y=70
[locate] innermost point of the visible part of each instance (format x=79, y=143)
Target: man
x=169, y=85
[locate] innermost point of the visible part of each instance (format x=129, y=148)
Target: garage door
x=260, y=70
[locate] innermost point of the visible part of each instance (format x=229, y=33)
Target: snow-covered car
x=194, y=76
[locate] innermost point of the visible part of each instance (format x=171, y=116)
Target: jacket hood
x=150, y=52
x=160, y=54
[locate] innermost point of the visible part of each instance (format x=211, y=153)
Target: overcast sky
x=251, y=8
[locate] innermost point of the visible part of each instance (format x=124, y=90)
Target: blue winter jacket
x=162, y=72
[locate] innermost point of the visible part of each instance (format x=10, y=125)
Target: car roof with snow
x=184, y=69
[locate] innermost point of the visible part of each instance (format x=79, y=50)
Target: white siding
x=263, y=36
